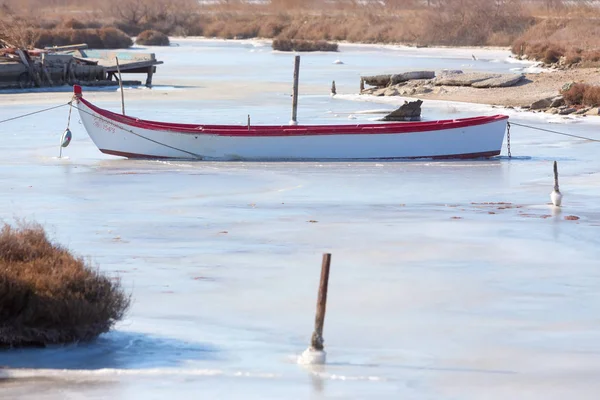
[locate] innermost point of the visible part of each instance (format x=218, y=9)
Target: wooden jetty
x=129, y=62
x=74, y=64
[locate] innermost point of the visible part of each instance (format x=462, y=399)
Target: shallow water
x=450, y=279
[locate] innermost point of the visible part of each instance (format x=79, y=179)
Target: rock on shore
x=420, y=82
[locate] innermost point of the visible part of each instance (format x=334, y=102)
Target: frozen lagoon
x=434, y=294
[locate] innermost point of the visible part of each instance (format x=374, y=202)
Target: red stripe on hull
x=394, y=128
x=484, y=154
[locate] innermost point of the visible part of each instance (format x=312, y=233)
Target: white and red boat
x=131, y=137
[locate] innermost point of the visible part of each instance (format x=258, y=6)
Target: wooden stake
x=295, y=95
x=149, y=76
x=121, y=86
x=316, y=341
x=362, y=85
x=333, y=89
x=45, y=70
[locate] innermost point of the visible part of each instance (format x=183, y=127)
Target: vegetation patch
x=103, y=38
x=49, y=296
x=568, y=41
x=554, y=31
x=152, y=38
x=582, y=94
x=303, y=45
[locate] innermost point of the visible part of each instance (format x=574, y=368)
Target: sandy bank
x=532, y=88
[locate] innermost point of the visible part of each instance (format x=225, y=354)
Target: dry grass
x=48, y=296
x=16, y=31
x=545, y=30
x=576, y=39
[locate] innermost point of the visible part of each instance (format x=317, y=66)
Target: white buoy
x=556, y=195
x=65, y=139
x=311, y=356
x=338, y=62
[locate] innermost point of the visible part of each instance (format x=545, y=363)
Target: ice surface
x=449, y=279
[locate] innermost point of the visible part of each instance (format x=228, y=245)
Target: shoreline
x=535, y=86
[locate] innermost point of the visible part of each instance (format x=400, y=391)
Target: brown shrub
x=113, y=38
x=72, y=23
x=152, y=38
x=104, y=38
x=591, y=97
x=559, y=34
x=303, y=45
x=48, y=296
x=16, y=31
x=574, y=95
x=572, y=57
x=593, y=55
x=553, y=54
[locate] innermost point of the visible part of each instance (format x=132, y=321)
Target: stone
x=409, y=76
x=407, y=91
x=593, y=111
x=567, y=111
x=582, y=111
x=377, y=80
x=391, y=91
x=553, y=111
x=465, y=79
x=541, y=104
x=379, y=92
x=423, y=90
x=409, y=111
x=503, y=80
x=448, y=72
x=368, y=91
x=558, y=101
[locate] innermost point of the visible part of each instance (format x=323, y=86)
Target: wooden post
x=316, y=342
x=121, y=86
x=295, y=95
x=362, y=85
x=45, y=70
x=248, y=121
x=333, y=90
x=149, y=77
x=30, y=67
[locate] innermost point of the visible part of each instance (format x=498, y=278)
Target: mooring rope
x=556, y=132
x=35, y=112
x=70, y=103
x=136, y=134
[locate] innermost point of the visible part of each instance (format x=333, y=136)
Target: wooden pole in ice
x=295, y=94
x=315, y=354
x=121, y=87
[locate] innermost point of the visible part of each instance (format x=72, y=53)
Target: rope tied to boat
x=508, y=138
x=194, y=155
x=556, y=132
x=36, y=112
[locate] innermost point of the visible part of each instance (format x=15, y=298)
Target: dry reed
x=49, y=296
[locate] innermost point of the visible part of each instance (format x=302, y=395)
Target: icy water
x=449, y=280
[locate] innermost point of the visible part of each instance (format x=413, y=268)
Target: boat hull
x=133, y=138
